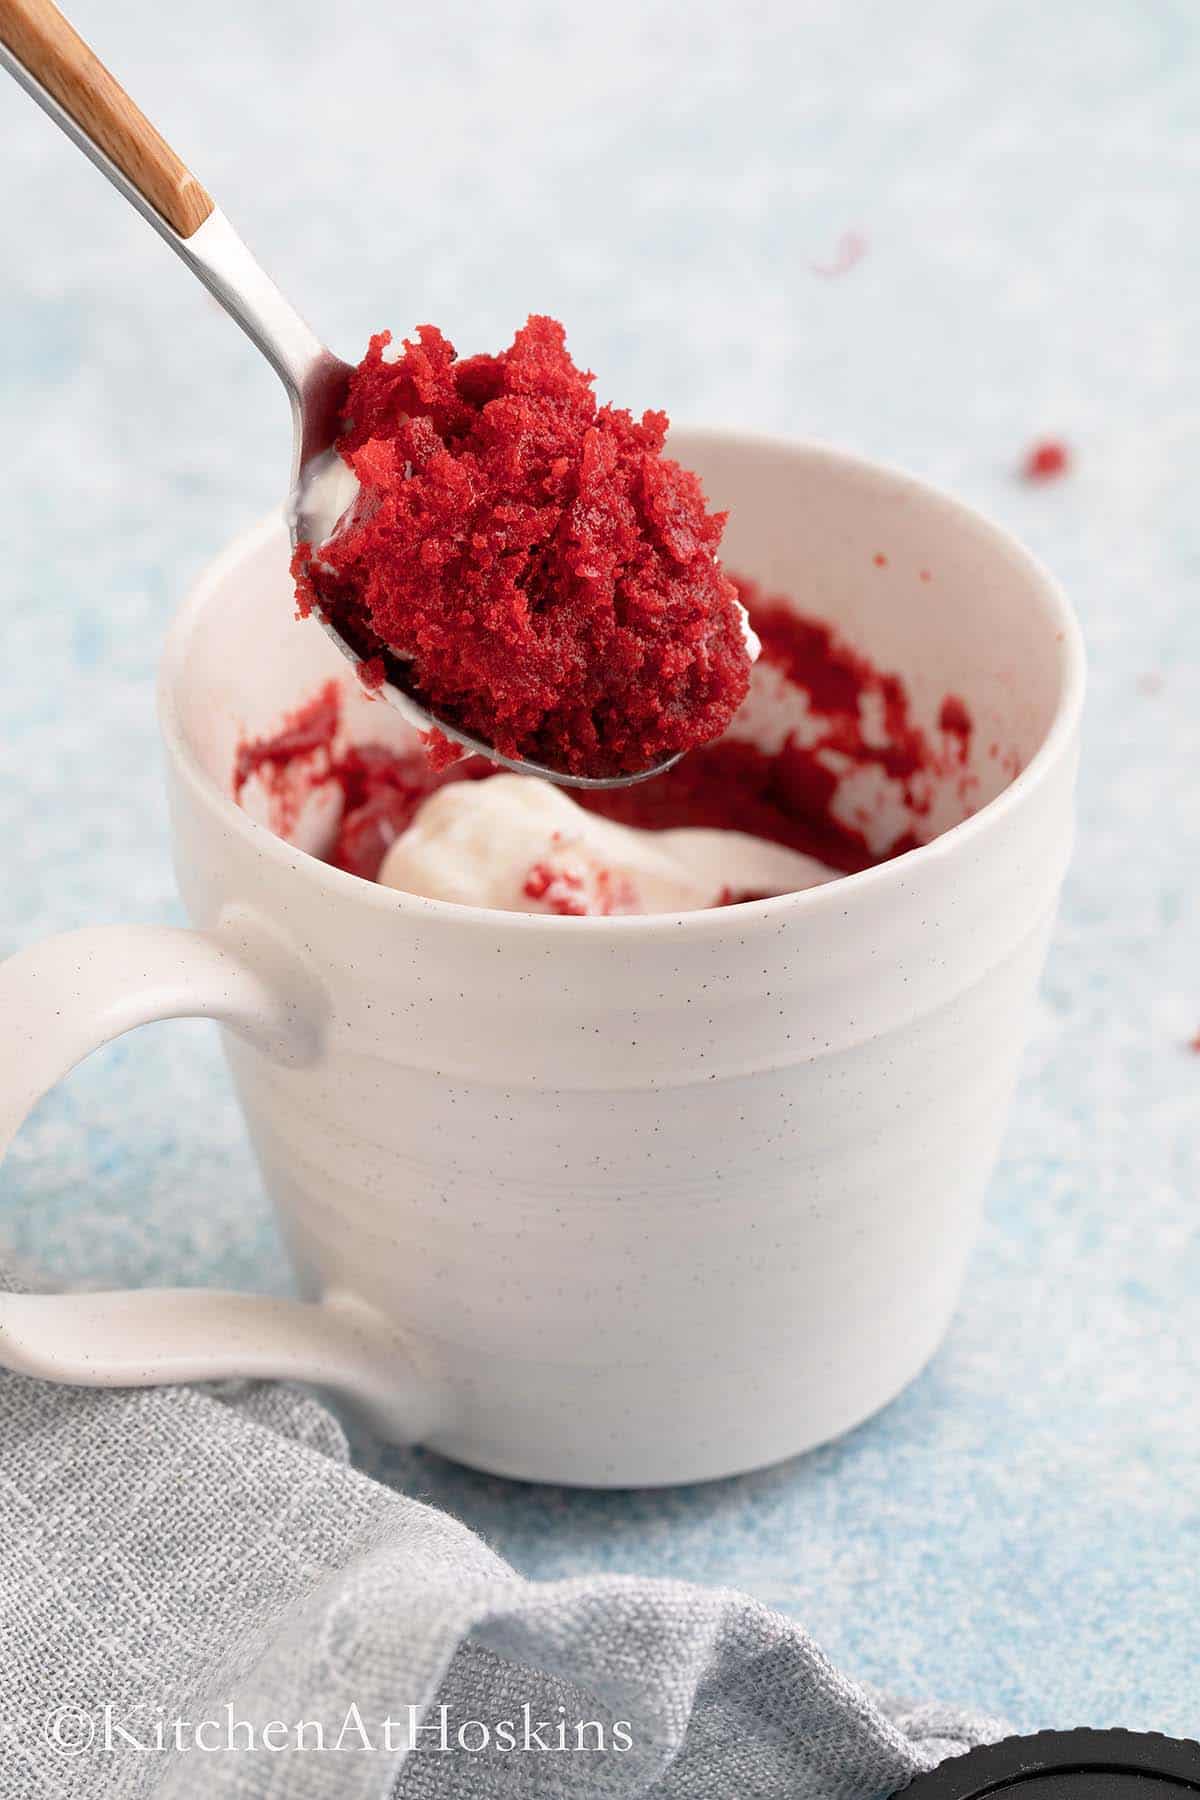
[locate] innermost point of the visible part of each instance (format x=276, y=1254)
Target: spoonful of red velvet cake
x=521, y=571
x=545, y=578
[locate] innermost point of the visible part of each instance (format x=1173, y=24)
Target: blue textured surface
x=1021, y=1530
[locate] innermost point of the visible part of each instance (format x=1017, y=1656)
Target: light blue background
x=1021, y=1529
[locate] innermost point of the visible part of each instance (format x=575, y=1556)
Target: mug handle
x=62, y=999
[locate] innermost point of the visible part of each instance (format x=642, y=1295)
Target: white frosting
x=750, y=637
x=519, y=844
x=325, y=498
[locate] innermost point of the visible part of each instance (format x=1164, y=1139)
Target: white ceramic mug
x=601, y=1201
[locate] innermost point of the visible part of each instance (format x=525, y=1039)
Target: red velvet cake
x=546, y=575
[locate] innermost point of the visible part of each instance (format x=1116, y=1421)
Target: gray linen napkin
x=205, y=1568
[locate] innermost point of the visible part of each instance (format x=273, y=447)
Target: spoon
x=53, y=64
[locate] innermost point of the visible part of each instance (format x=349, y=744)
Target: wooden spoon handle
x=38, y=36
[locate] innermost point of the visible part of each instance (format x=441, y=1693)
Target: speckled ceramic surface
x=1020, y=1529
x=612, y=1202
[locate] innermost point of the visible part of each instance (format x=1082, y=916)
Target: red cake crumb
x=294, y=760
x=309, y=731
x=852, y=247
x=559, y=888
x=1046, y=460
x=546, y=575
x=955, y=721
x=381, y=788
x=441, y=751
x=381, y=793
x=566, y=891
x=787, y=796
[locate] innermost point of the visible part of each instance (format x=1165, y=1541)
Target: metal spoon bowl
x=53, y=63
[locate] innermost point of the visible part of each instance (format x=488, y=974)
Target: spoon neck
x=237, y=280
x=94, y=113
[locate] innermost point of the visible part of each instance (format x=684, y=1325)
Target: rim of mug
x=742, y=914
